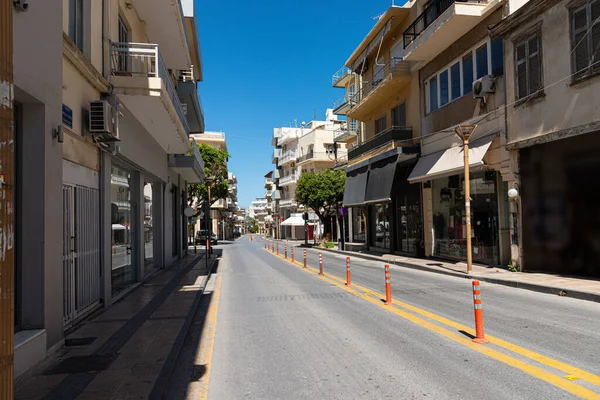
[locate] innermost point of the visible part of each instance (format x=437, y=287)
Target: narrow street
x=283, y=332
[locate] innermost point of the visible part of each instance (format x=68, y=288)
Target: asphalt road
x=285, y=333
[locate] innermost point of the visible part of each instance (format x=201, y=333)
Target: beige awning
x=450, y=161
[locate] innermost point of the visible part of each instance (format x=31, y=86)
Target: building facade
x=552, y=86
x=116, y=165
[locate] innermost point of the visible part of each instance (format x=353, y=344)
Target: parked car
x=201, y=237
x=237, y=234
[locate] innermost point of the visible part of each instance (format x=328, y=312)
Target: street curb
x=162, y=381
x=574, y=294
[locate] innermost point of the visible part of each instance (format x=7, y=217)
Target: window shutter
x=521, y=56
x=581, y=53
x=534, y=67
x=595, y=33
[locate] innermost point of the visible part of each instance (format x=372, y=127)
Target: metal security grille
x=81, y=251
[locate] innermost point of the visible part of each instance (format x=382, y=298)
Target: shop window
x=359, y=224
x=449, y=222
x=122, y=220
x=528, y=66
x=381, y=230
x=148, y=228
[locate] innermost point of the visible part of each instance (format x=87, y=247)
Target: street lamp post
x=465, y=132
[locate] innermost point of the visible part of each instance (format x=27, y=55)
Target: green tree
x=323, y=192
x=215, y=173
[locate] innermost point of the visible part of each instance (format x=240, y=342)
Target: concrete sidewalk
x=130, y=349
x=578, y=288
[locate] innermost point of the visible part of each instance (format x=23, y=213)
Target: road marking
x=199, y=390
x=375, y=298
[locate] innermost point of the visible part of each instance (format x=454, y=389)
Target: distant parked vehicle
x=201, y=237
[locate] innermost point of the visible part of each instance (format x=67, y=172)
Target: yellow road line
x=532, y=370
x=199, y=390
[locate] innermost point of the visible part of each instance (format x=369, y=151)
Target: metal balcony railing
x=187, y=76
x=392, y=134
x=426, y=18
x=287, y=156
x=313, y=155
x=380, y=72
x=341, y=73
x=144, y=59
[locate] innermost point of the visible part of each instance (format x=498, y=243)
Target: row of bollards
x=273, y=246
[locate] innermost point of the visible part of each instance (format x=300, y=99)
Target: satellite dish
x=189, y=212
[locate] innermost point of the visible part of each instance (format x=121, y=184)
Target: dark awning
x=381, y=180
x=356, y=185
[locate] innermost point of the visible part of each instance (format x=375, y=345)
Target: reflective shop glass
x=449, y=222
x=122, y=220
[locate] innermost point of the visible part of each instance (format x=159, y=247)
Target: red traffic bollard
x=388, y=288
x=277, y=248
x=479, y=334
x=304, y=258
x=348, y=283
x=292, y=254
x=320, y=263
x=285, y=250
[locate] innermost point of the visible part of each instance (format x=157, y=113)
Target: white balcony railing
x=144, y=59
x=342, y=72
x=287, y=203
x=288, y=179
x=287, y=156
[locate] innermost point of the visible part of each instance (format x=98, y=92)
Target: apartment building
x=258, y=211
x=37, y=186
x=310, y=147
x=383, y=129
x=107, y=119
x=269, y=195
x=461, y=83
x=552, y=86
x=222, y=209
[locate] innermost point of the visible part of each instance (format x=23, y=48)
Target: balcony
x=388, y=80
x=190, y=166
x=276, y=155
x=288, y=157
x=342, y=105
x=276, y=136
x=188, y=96
x=288, y=180
x=341, y=77
x=345, y=135
x=316, y=156
x=287, y=203
x=165, y=25
x=340, y=162
x=143, y=83
x=215, y=139
x=289, y=135
x=442, y=23
x=268, y=183
x=395, y=136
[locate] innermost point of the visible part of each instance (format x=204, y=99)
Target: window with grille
x=585, y=39
x=528, y=62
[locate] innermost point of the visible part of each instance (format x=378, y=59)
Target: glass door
x=123, y=273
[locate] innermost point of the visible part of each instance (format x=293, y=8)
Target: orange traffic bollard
x=285, y=250
x=320, y=263
x=292, y=254
x=388, y=288
x=277, y=248
x=348, y=283
x=479, y=334
x=251, y=238
x=304, y=258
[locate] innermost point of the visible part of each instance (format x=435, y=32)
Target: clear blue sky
x=268, y=62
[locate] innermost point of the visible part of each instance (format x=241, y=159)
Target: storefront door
x=122, y=220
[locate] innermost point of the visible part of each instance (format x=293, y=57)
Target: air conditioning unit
x=103, y=122
x=483, y=86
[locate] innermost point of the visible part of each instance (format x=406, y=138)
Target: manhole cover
x=76, y=365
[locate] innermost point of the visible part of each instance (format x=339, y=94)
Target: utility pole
x=7, y=184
